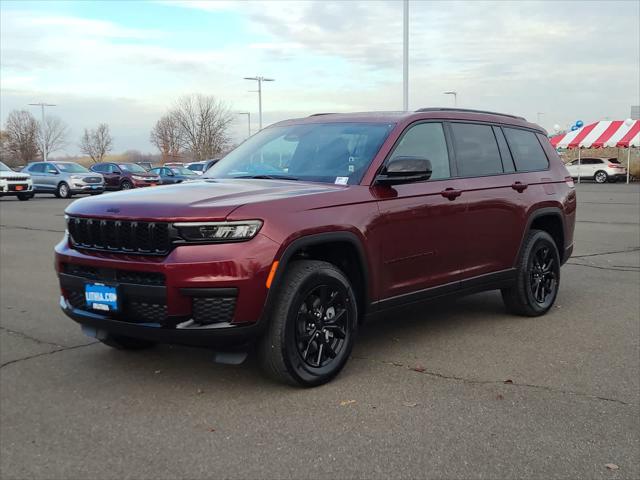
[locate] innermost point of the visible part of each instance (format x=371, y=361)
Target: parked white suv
x=599, y=169
x=17, y=184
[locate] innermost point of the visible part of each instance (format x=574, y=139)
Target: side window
x=426, y=140
x=526, y=149
x=113, y=169
x=37, y=168
x=50, y=168
x=476, y=150
x=98, y=168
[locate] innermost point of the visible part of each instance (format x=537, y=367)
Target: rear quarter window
x=526, y=150
x=476, y=150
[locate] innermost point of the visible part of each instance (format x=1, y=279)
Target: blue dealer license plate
x=101, y=297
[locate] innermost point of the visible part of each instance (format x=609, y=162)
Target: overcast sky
x=126, y=62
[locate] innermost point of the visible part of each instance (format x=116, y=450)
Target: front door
x=420, y=223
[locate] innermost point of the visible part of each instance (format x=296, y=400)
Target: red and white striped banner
x=607, y=133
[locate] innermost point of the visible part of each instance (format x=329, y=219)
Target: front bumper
x=82, y=187
x=165, y=299
x=15, y=188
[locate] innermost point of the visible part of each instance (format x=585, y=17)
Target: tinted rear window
x=526, y=150
x=476, y=150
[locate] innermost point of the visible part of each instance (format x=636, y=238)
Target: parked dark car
x=169, y=175
x=371, y=211
x=64, y=179
x=124, y=176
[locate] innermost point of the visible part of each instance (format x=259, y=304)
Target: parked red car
x=314, y=225
x=125, y=176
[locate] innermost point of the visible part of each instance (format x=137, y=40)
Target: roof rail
x=318, y=114
x=441, y=109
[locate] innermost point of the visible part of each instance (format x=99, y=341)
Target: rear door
x=37, y=176
x=420, y=223
x=495, y=196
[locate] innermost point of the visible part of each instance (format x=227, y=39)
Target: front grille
x=111, y=275
x=14, y=187
x=17, y=179
x=92, y=180
x=147, y=238
x=207, y=310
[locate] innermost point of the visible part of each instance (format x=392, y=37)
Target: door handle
x=451, y=193
x=519, y=186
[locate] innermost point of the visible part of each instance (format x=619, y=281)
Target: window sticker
x=342, y=180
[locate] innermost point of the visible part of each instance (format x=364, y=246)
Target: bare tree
x=203, y=122
x=52, y=136
x=96, y=143
x=167, y=136
x=22, y=136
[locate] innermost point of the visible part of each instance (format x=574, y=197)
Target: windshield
x=182, y=171
x=196, y=167
x=320, y=152
x=132, y=167
x=4, y=168
x=71, y=168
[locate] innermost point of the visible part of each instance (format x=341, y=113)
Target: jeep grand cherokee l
x=313, y=225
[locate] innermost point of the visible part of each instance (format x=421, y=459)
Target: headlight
x=138, y=177
x=218, y=231
x=77, y=177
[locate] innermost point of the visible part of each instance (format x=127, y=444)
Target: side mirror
x=53, y=171
x=405, y=170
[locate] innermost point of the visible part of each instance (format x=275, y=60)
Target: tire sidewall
x=126, y=182
x=295, y=365
x=62, y=186
x=600, y=172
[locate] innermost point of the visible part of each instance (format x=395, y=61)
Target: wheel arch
x=350, y=258
x=550, y=220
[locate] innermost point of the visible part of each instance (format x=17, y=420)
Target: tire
x=63, y=190
x=601, y=177
x=25, y=196
x=537, y=278
x=126, y=185
x=120, y=342
x=93, y=194
x=312, y=325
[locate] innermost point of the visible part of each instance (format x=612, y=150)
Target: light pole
x=455, y=97
x=405, y=56
x=260, y=80
x=248, y=114
x=42, y=105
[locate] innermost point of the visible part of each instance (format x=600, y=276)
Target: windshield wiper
x=269, y=177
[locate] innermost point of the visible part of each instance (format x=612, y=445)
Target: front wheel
x=63, y=191
x=312, y=325
x=601, y=177
x=537, y=278
x=25, y=196
x=126, y=185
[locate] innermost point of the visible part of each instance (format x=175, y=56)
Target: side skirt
x=481, y=283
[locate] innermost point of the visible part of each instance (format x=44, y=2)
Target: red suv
x=313, y=225
x=125, y=176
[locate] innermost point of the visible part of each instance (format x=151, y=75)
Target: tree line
x=195, y=128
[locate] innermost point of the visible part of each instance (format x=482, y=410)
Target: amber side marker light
x=272, y=273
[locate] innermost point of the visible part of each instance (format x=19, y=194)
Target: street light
x=42, y=105
x=248, y=114
x=455, y=97
x=260, y=80
x=405, y=56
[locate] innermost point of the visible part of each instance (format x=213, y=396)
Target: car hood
x=203, y=199
x=10, y=175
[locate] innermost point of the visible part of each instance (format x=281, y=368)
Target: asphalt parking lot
x=456, y=389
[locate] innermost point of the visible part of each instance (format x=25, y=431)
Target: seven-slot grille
x=16, y=179
x=123, y=236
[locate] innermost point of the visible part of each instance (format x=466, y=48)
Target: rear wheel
x=601, y=177
x=312, y=326
x=537, y=279
x=126, y=343
x=63, y=190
